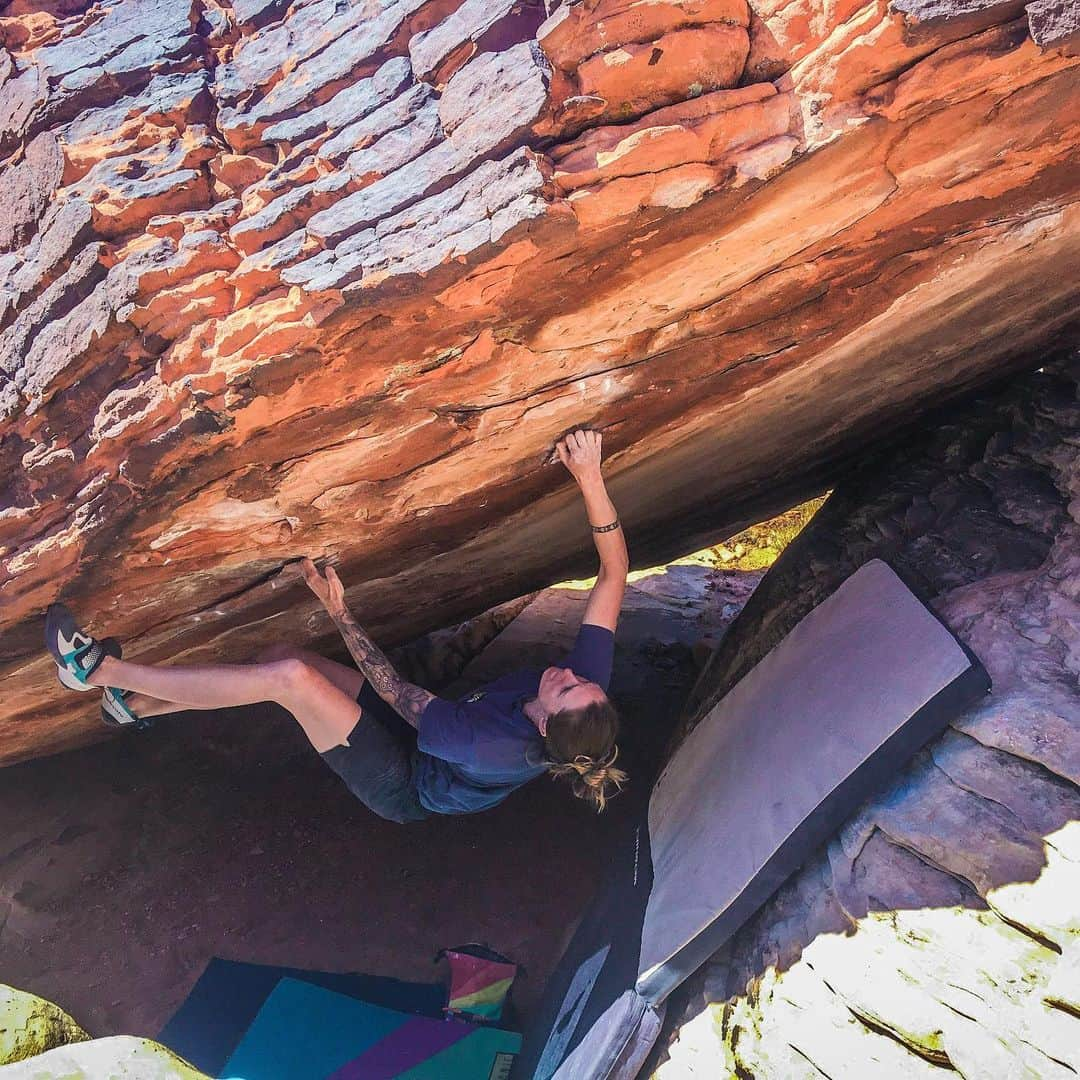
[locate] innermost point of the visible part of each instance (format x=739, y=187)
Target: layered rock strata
x=330, y=277
x=939, y=929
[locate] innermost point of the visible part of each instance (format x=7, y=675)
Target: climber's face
x=561, y=690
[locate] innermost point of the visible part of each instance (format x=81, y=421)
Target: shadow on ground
x=126, y=866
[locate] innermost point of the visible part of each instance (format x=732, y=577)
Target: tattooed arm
x=407, y=699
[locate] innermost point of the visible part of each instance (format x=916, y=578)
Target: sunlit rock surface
x=123, y=1057
x=330, y=277
x=940, y=927
x=30, y=1025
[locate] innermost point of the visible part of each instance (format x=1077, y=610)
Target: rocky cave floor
x=126, y=866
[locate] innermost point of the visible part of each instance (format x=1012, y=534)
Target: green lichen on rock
x=30, y=1025
x=759, y=546
x=121, y=1057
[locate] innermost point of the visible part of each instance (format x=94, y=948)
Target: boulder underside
x=939, y=929
x=330, y=278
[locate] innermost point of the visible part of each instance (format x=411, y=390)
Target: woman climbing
x=404, y=752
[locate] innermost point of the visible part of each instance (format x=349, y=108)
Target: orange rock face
x=330, y=278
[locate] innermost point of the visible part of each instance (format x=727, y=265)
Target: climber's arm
x=405, y=698
x=580, y=453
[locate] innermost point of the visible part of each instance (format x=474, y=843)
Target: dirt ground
x=125, y=867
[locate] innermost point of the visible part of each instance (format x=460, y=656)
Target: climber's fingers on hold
x=336, y=589
x=584, y=444
x=319, y=585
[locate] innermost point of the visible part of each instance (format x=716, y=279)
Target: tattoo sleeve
x=407, y=699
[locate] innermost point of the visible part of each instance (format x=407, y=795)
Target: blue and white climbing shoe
x=76, y=653
x=116, y=713
x=111, y=646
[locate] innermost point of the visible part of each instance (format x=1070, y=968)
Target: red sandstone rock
x=704, y=129
x=636, y=78
x=575, y=32
x=437, y=53
x=316, y=278
x=954, y=18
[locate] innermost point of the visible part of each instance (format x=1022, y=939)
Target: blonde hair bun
x=591, y=779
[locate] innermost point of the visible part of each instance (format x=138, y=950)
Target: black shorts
x=378, y=765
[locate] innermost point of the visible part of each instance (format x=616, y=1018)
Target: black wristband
x=605, y=528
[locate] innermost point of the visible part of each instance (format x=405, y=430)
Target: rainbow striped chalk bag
x=480, y=980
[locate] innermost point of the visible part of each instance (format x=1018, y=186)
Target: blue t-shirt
x=474, y=752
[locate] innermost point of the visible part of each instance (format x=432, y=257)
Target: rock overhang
x=331, y=279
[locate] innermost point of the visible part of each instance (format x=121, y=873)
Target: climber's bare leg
x=325, y=712
x=144, y=706
x=347, y=679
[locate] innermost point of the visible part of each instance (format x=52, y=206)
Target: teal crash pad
x=304, y=1032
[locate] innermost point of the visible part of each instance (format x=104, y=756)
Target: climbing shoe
x=112, y=648
x=76, y=653
x=116, y=712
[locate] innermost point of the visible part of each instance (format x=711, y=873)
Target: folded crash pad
x=304, y=1032
x=229, y=994
x=824, y=720
x=590, y=1011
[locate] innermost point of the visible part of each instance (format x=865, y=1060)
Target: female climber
x=404, y=752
